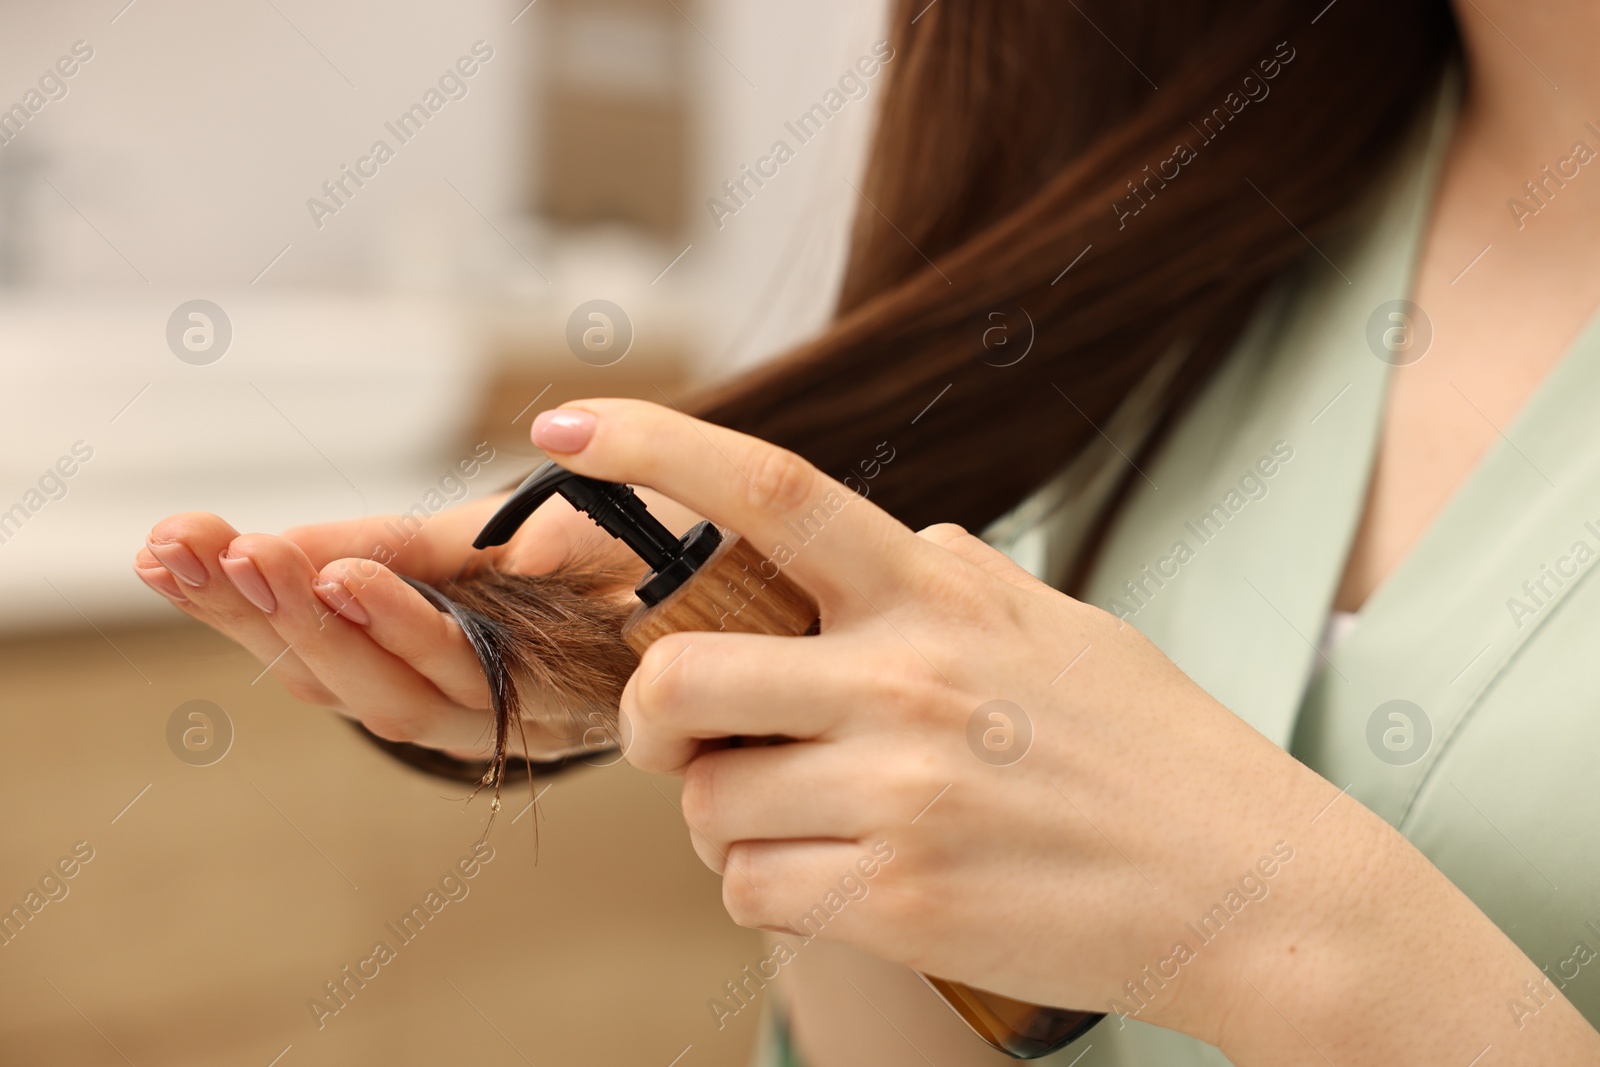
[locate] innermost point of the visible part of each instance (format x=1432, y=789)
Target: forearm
x=1382, y=960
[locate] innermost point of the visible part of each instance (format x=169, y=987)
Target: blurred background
x=218, y=293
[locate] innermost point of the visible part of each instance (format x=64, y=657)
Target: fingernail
x=161, y=580
x=563, y=430
x=342, y=601
x=176, y=557
x=246, y=577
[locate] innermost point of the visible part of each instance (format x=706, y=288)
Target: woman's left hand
x=994, y=783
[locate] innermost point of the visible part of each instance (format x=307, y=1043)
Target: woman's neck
x=1533, y=79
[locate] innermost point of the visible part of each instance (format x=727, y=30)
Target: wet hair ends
x=551, y=639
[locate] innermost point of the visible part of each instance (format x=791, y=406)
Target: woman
x=1306, y=289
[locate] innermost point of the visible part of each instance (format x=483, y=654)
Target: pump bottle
x=711, y=579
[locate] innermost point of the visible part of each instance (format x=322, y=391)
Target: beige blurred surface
x=221, y=900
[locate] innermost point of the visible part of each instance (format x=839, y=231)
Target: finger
x=399, y=619
x=833, y=541
x=798, y=790
x=187, y=548
x=379, y=688
x=691, y=687
x=417, y=543
x=809, y=888
x=431, y=642
x=974, y=550
x=157, y=577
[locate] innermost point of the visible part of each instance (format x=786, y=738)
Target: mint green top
x=1491, y=768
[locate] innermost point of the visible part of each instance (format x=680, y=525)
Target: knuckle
x=698, y=799
x=908, y=688
x=742, y=898
x=781, y=482
x=271, y=555
x=664, y=676
x=944, y=533
x=191, y=526
x=353, y=571
x=960, y=543
x=965, y=593
x=650, y=760
x=233, y=615
x=893, y=678
x=908, y=783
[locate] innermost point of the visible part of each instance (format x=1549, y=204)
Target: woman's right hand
x=325, y=609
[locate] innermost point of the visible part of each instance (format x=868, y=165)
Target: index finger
x=829, y=537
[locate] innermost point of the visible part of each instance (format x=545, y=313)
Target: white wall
x=178, y=166
x=195, y=135
x=778, y=259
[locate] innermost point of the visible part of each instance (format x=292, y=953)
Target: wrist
x=1307, y=977
x=1257, y=914
x=1375, y=957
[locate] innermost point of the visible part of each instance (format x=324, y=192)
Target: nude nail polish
x=161, y=580
x=246, y=578
x=563, y=430
x=177, y=558
x=341, y=601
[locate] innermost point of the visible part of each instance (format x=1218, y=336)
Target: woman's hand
x=994, y=783
x=325, y=608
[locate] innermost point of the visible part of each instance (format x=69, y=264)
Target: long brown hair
x=1016, y=134
x=1128, y=174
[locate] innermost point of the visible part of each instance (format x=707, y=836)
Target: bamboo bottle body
x=741, y=591
x=737, y=590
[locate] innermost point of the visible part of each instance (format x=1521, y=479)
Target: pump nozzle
x=616, y=509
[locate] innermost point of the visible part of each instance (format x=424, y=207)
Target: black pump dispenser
x=617, y=510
